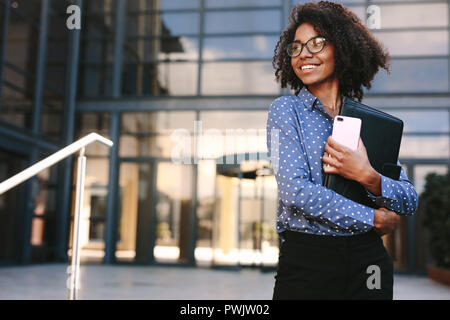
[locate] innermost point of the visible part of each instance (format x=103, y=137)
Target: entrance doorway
x=244, y=231
x=154, y=210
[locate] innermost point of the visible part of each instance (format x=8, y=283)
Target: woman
x=331, y=246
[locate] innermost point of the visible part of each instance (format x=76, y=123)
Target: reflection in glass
x=20, y=63
x=205, y=209
x=95, y=80
x=162, y=4
x=413, y=75
x=160, y=79
x=173, y=211
x=92, y=223
x=52, y=112
x=165, y=24
x=241, y=3
x=244, y=230
x=238, y=78
x=135, y=220
x=408, y=43
x=423, y=121
x=421, y=171
x=414, y=15
x=16, y=105
x=180, y=147
x=242, y=21
x=163, y=122
x=167, y=49
x=425, y=147
x=260, y=47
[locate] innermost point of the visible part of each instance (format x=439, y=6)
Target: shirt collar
x=309, y=100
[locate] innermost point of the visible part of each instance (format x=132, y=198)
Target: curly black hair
x=357, y=55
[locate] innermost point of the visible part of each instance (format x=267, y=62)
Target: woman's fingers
x=327, y=159
x=333, y=152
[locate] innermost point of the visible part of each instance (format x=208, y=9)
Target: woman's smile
x=309, y=68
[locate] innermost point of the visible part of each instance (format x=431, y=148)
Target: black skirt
x=333, y=267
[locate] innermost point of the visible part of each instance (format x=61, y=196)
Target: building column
x=65, y=173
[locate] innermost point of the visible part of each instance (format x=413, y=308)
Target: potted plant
x=435, y=204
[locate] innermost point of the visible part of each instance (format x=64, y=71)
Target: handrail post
x=74, y=280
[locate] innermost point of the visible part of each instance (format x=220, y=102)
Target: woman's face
x=324, y=59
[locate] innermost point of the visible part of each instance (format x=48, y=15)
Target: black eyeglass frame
x=305, y=44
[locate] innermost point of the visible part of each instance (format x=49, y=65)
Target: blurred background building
x=139, y=71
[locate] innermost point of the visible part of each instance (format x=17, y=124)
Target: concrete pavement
x=48, y=281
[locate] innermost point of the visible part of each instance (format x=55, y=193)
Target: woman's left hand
x=351, y=164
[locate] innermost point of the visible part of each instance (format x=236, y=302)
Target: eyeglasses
x=314, y=45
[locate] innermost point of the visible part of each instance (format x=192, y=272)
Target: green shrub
x=435, y=204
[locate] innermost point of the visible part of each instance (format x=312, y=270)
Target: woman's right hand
x=385, y=221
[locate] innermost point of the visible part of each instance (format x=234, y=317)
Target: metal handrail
x=51, y=160
x=78, y=145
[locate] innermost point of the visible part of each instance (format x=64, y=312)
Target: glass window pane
x=177, y=146
x=414, y=15
x=174, y=78
x=179, y=4
x=425, y=147
x=423, y=121
x=421, y=171
x=16, y=105
x=239, y=47
x=134, y=229
x=178, y=78
x=97, y=51
x=238, y=78
x=51, y=118
x=163, y=122
x=146, y=24
x=415, y=43
x=134, y=5
x=100, y=6
x=98, y=26
x=172, y=48
x=22, y=40
x=413, y=75
x=173, y=209
x=241, y=3
x=223, y=120
x=95, y=80
x=242, y=21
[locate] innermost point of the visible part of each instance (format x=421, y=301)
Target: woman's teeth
x=309, y=66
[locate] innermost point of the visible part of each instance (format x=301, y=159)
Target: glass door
x=173, y=209
x=154, y=212
x=136, y=206
x=244, y=216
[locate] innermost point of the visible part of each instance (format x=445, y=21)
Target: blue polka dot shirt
x=297, y=130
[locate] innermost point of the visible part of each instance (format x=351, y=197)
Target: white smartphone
x=346, y=131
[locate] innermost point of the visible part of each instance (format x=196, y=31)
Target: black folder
x=381, y=134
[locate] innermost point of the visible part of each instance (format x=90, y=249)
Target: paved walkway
x=156, y=282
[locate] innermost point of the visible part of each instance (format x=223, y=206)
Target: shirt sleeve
x=398, y=196
x=295, y=190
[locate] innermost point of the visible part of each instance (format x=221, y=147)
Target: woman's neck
x=328, y=93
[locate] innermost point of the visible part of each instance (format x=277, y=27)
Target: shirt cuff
x=386, y=192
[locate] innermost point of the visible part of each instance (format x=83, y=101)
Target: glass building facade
x=183, y=87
